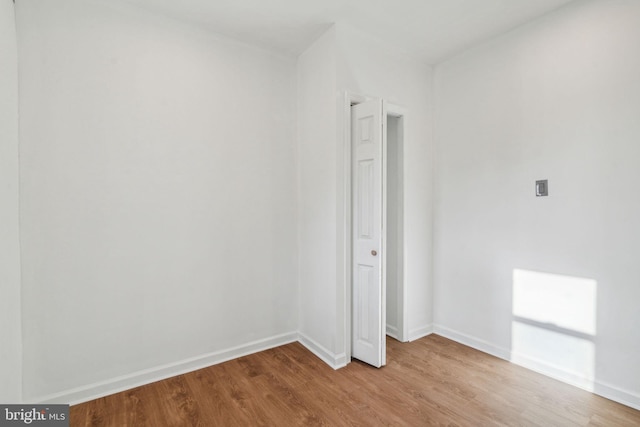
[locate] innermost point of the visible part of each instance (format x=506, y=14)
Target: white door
x=368, y=311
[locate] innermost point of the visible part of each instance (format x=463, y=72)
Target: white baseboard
x=422, y=331
x=473, y=342
x=147, y=376
x=392, y=331
x=617, y=394
x=336, y=361
x=600, y=388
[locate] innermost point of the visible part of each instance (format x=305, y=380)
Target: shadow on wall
x=553, y=328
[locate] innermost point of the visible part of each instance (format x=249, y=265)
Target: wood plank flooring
x=431, y=381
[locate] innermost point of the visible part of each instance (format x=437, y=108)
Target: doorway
x=377, y=291
x=395, y=228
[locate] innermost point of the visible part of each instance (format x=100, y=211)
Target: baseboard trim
x=147, y=376
x=609, y=391
x=617, y=394
x=473, y=342
x=422, y=331
x=392, y=331
x=336, y=361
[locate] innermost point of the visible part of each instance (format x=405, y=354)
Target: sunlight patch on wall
x=554, y=325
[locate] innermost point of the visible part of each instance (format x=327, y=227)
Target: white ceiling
x=427, y=29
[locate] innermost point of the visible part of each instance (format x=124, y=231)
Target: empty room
x=284, y=212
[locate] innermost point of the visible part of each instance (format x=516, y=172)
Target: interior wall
x=316, y=164
x=557, y=99
x=394, y=228
x=158, y=194
x=10, y=333
x=370, y=67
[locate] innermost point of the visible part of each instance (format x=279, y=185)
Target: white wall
x=159, y=199
x=317, y=169
x=557, y=99
x=394, y=246
x=370, y=67
x=10, y=332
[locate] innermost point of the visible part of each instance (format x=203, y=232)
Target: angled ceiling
x=430, y=30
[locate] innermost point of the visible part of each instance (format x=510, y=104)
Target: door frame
x=389, y=109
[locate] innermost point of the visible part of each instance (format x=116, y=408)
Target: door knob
x=374, y=253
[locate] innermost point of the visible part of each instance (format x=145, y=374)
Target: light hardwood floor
x=431, y=381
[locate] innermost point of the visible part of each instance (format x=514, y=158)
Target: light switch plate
x=542, y=188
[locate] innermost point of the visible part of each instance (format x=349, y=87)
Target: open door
x=368, y=298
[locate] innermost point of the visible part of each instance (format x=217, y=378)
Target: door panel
x=368, y=334
x=365, y=200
